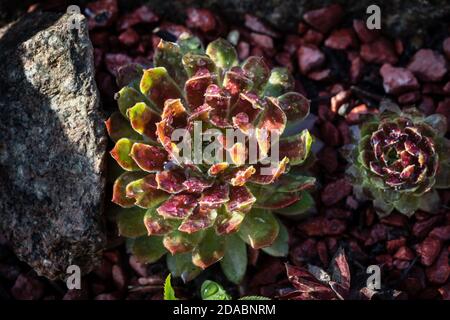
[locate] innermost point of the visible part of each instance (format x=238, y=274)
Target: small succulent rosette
x=205, y=211
x=400, y=160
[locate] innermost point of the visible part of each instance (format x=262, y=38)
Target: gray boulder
x=52, y=145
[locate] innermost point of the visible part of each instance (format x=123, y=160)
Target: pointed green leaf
x=259, y=228
x=169, y=293
x=407, y=204
x=148, y=249
x=194, y=62
x=210, y=250
x=296, y=107
x=234, y=262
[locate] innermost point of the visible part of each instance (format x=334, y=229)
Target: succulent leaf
x=200, y=208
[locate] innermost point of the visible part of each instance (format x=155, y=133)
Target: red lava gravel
x=344, y=69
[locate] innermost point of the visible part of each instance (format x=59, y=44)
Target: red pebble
x=357, y=114
x=446, y=47
x=101, y=13
x=309, y=58
x=202, y=19
x=261, y=40
x=27, y=288
x=440, y=271
x=336, y=191
x=320, y=75
x=356, y=66
x=395, y=220
x=421, y=228
x=441, y=233
x=404, y=253
x=427, y=105
x=325, y=18
x=379, y=51
x=321, y=226
x=444, y=109
x=339, y=99
x=377, y=233
x=428, y=65
x=428, y=250
x=129, y=37
x=329, y=134
x=364, y=34
x=398, y=80
x=115, y=60
x=143, y=14
x=255, y=24
x=313, y=37
x=409, y=97
x=395, y=244
x=341, y=39
x=243, y=50
x=328, y=159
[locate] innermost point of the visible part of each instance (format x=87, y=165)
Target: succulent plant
x=205, y=211
x=400, y=159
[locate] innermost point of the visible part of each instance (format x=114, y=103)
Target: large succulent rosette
x=203, y=212
x=401, y=159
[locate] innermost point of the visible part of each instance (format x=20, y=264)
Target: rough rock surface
x=52, y=145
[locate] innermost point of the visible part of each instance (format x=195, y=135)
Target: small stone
x=27, y=288
x=114, y=61
x=398, y=80
x=427, y=105
x=341, y=39
x=328, y=159
x=309, y=58
x=339, y=99
x=320, y=75
x=142, y=14
x=428, y=65
x=395, y=220
x=356, y=66
x=440, y=271
x=261, y=40
x=138, y=267
x=329, y=134
x=380, y=51
x=119, y=277
x=243, y=50
x=441, y=233
x=325, y=18
x=364, y=34
x=102, y=13
x=444, y=109
x=313, y=37
x=202, y=19
x=322, y=226
x=404, y=253
x=129, y=37
x=336, y=191
x=395, y=244
x=409, y=97
x=357, y=114
x=421, y=228
x=292, y=42
x=446, y=47
x=400, y=264
x=428, y=250
x=377, y=234
x=284, y=59
x=256, y=25
x=399, y=47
